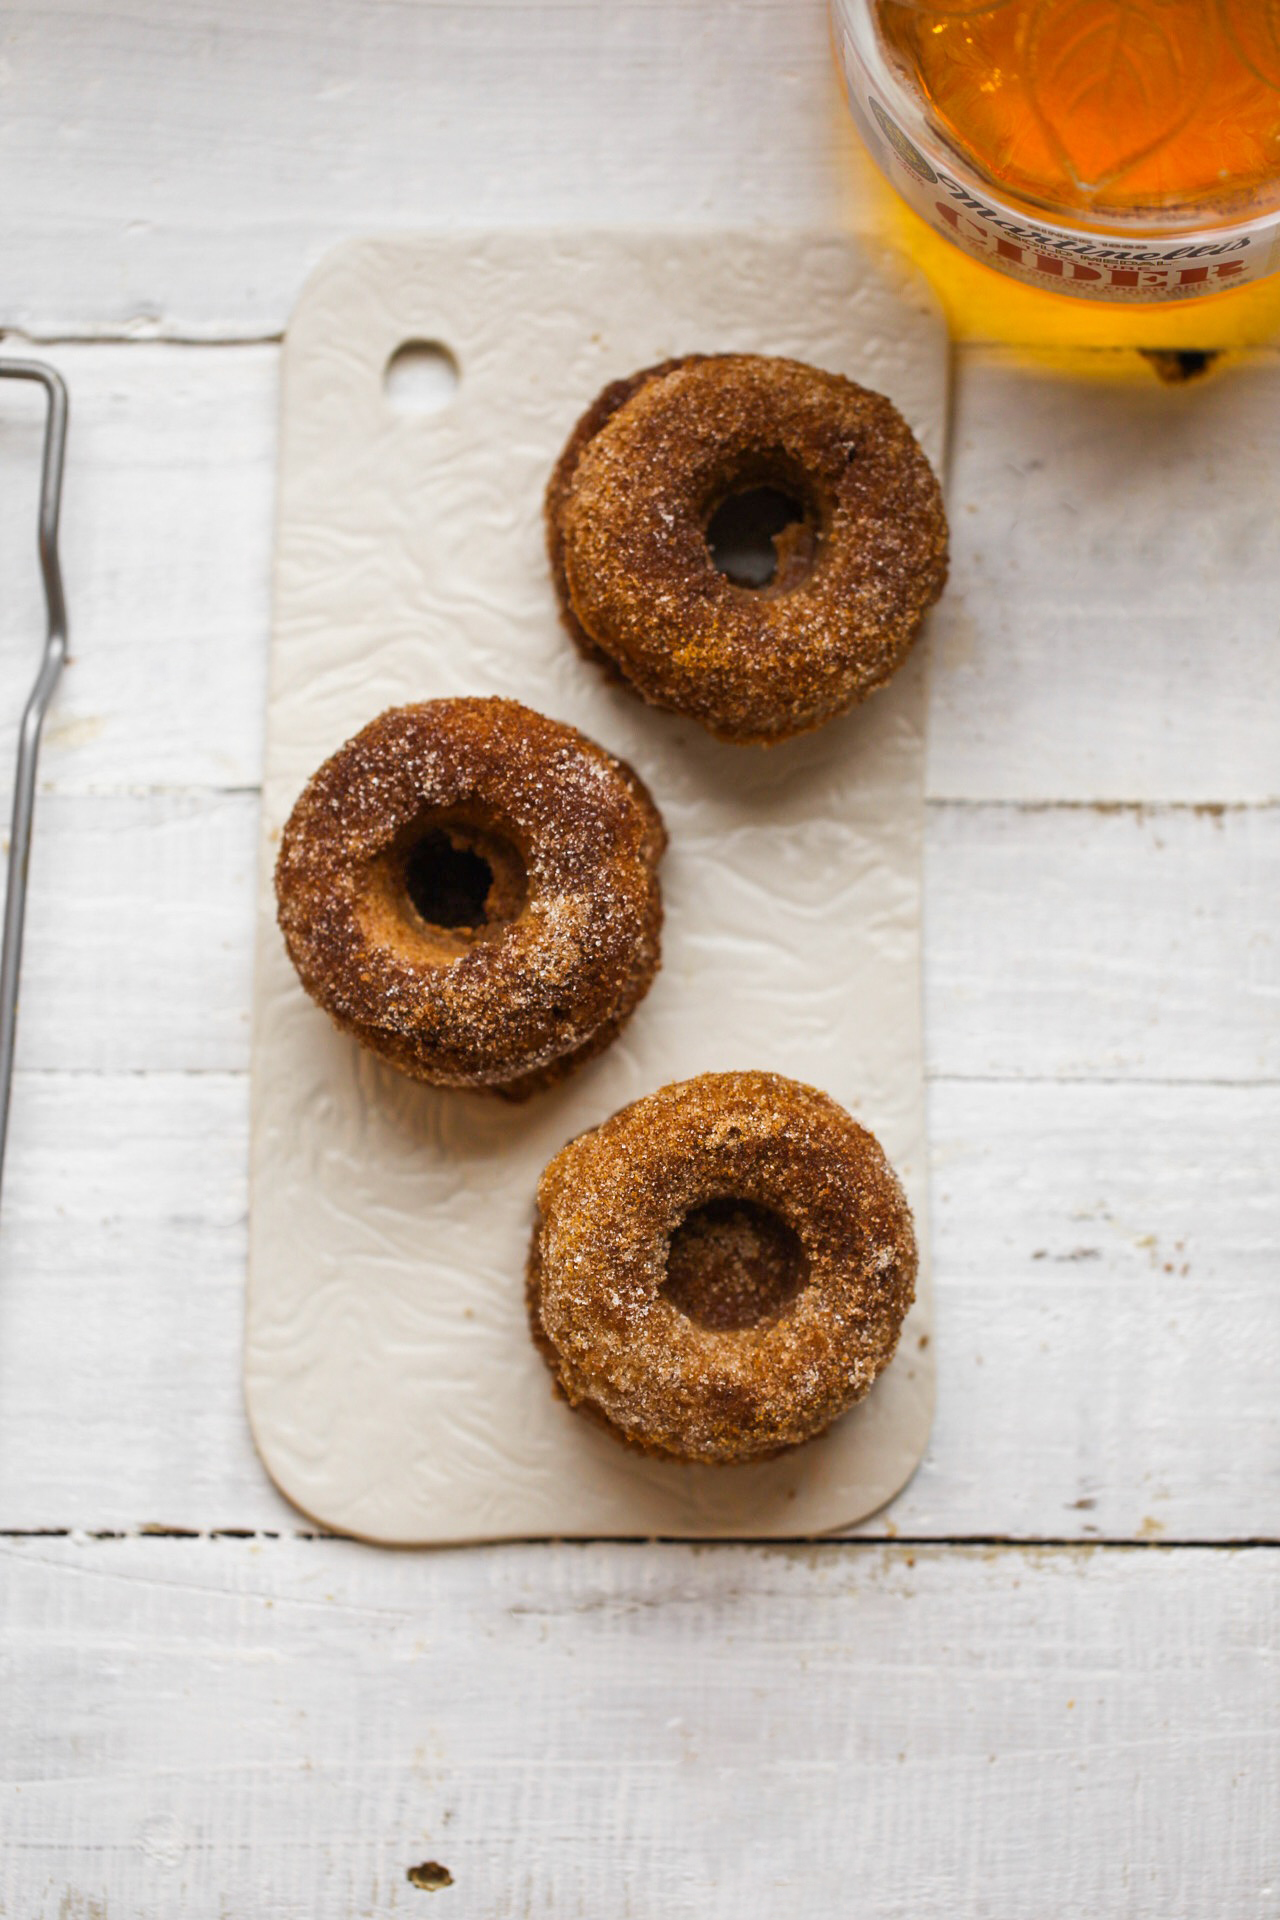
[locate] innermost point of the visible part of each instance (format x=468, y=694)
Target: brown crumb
x=430, y=1876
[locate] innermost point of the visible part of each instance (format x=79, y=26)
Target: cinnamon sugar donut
x=722, y=1269
x=471, y=890
x=862, y=556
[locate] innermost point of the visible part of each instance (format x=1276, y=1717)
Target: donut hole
x=733, y=1264
x=454, y=881
x=762, y=534
x=448, y=884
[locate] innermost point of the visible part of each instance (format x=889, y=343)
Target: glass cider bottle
x=1118, y=150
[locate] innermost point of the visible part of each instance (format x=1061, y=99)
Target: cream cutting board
x=392, y=1387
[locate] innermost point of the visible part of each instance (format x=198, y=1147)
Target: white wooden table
x=1045, y=1683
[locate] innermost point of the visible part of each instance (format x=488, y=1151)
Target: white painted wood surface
x=281, y=1726
x=179, y=170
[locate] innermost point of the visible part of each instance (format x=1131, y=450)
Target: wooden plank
x=1103, y=942
x=210, y=1728
x=1109, y=632
x=1108, y=1308
x=1108, y=1311
x=138, y=943
x=1061, y=942
x=1110, y=628
x=181, y=171
x=166, y=541
x=123, y=1254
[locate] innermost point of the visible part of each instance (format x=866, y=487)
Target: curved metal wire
x=55, y=653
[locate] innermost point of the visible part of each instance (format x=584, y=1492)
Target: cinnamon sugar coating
x=559, y=486
x=626, y=1336
x=471, y=890
x=628, y=508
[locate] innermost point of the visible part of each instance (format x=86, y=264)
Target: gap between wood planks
x=932, y=1079
x=146, y=336
x=1141, y=810
x=1168, y=365
x=1012, y=1542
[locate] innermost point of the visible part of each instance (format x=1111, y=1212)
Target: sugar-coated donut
x=471, y=890
x=640, y=482
x=722, y=1269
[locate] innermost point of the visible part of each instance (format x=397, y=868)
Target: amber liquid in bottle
x=1123, y=152
x=1104, y=107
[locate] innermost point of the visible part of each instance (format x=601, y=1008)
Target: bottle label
x=1093, y=266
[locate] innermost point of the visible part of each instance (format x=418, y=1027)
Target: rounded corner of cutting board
x=911, y=1465
x=343, y=258
x=276, y=1467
